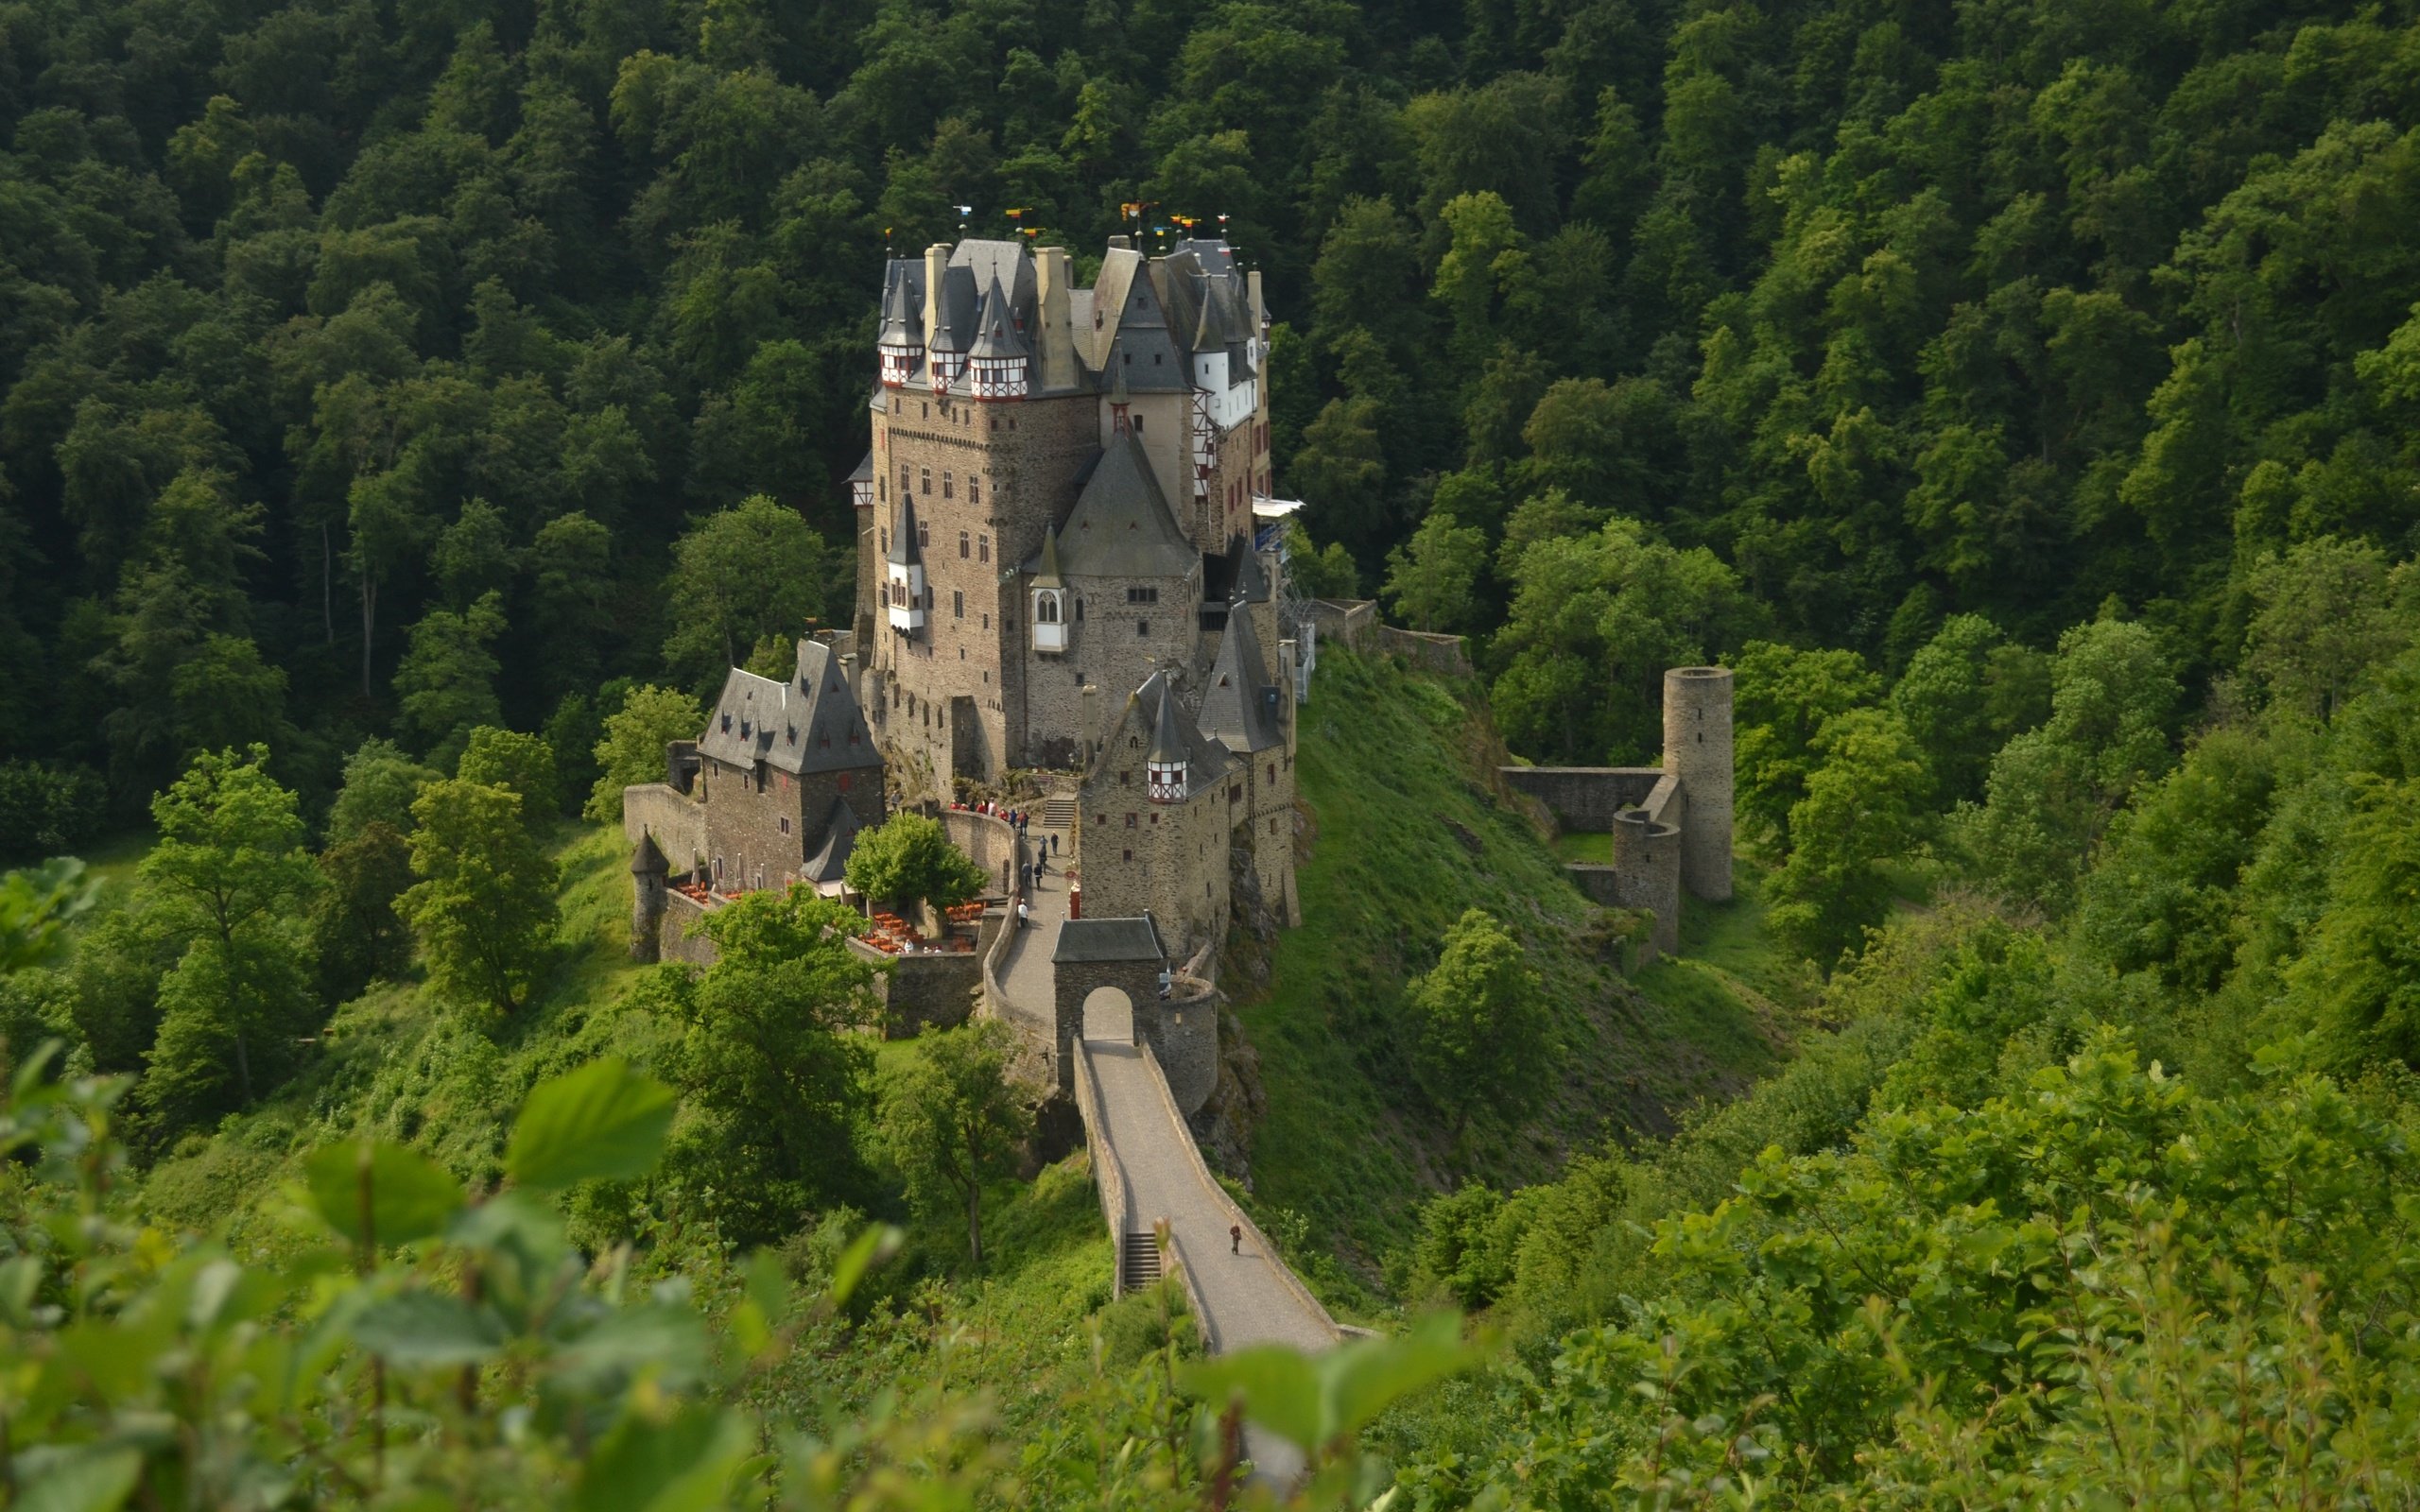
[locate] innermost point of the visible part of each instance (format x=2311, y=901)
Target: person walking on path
x=1023, y=912
x=1054, y=843
x=1235, y=1239
x=1025, y=875
x=1041, y=867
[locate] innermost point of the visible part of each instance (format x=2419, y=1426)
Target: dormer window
x=1166, y=779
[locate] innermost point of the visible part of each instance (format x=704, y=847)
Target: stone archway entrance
x=1108, y=1016
x=1093, y=954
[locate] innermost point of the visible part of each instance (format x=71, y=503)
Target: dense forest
x=408, y=409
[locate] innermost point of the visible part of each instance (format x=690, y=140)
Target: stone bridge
x=1089, y=989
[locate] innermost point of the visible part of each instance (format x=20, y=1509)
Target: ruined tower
x=1697, y=751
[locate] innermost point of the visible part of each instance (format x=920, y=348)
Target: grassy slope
x=1409, y=830
x=401, y=1063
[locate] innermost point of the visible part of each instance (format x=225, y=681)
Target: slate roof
x=1122, y=526
x=1238, y=707
x=647, y=857
x=904, y=551
x=863, y=471
x=902, y=323
x=810, y=723
x=1110, y=939
x=1142, y=350
x=1046, y=574
x=996, y=332
x=841, y=827
x=1155, y=710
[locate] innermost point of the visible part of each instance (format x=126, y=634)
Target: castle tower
x=648, y=873
x=1648, y=857
x=1165, y=767
x=1697, y=751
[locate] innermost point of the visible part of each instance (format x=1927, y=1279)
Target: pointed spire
x=647, y=858
x=900, y=326
x=1167, y=742
x=995, y=332
x=1048, y=576
x=904, y=551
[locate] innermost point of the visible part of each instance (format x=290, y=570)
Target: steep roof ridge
x=1235, y=705
x=1122, y=526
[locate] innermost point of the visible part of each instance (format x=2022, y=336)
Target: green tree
x=908, y=858
x=484, y=906
x=2053, y=790
x=522, y=764
x=1319, y=571
x=571, y=595
x=631, y=751
x=2360, y=979
x=771, y=1059
x=950, y=1119
x=1433, y=580
x=380, y=785
x=355, y=928
x=1965, y=692
x=2323, y=614
x=1480, y=1031
x=473, y=556
x=1859, y=814
x=447, y=679
x=233, y=881
x=1784, y=697
x=749, y=572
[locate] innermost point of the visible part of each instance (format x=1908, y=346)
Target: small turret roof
x=647, y=858
x=904, y=551
x=902, y=320
x=863, y=473
x=1046, y=575
x=996, y=327
x=1169, y=746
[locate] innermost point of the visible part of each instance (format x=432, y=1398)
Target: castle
x=1059, y=573
x=1059, y=568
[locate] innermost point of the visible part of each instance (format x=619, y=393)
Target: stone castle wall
x=1697, y=752
x=1584, y=798
x=988, y=842
x=678, y=824
x=1182, y=1031
x=927, y=990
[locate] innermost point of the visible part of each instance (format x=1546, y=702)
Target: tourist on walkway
x=1025, y=875
x=1024, y=920
x=1235, y=1239
x=1054, y=843
x=1041, y=870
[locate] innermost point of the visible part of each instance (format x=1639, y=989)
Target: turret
x=903, y=571
x=1120, y=403
x=1697, y=751
x=649, y=870
x=1049, y=598
x=1165, y=767
x=902, y=344
x=1000, y=361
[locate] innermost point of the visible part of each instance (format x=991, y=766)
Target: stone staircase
x=1059, y=811
x=1141, y=1264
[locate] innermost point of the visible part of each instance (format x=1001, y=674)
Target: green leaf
x=409, y=1197
x=865, y=1252
x=603, y=1121
x=669, y=1339
x=424, y=1329
x=680, y=1466
x=1313, y=1399
x=89, y=1479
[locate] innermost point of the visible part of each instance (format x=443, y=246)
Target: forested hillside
x=321, y=323
x=406, y=409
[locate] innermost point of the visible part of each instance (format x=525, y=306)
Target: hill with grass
x=1408, y=827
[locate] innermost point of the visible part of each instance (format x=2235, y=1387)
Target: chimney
x=1260, y=311
x=1122, y=244
x=1091, y=726
x=1054, y=343
x=935, y=263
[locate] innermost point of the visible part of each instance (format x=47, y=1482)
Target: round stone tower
x=1697, y=751
x=649, y=883
x=1647, y=874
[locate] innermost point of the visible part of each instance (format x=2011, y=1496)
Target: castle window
x=945, y=485
x=904, y=487
x=963, y=544
x=975, y=484
x=784, y=822
x=1142, y=595
x=1130, y=821
x=958, y=610
x=1138, y=425
x=1125, y=777
x=924, y=533
x=925, y=476
x=1272, y=826
x=1130, y=855
x=844, y=777
x=885, y=541
x=1155, y=818
x=1142, y=627
x=983, y=548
